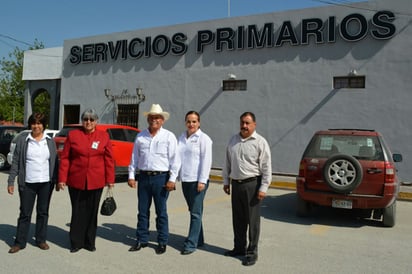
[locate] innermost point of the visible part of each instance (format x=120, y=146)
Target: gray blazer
x=18, y=166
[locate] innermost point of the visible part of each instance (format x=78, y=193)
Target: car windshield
x=360, y=147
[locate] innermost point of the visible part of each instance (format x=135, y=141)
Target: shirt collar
x=45, y=136
x=253, y=136
x=196, y=133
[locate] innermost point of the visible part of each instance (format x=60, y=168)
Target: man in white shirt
x=156, y=161
x=248, y=169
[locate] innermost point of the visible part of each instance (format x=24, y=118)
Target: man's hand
x=132, y=183
x=261, y=195
x=226, y=189
x=170, y=186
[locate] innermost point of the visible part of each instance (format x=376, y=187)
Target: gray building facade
x=299, y=71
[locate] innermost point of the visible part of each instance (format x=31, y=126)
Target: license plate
x=342, y=203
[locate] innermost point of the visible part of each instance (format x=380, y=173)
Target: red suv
x=351, y=169
x=122, y=138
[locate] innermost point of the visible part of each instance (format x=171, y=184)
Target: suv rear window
x=360, y=147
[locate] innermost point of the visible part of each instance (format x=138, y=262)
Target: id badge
x=95, y=145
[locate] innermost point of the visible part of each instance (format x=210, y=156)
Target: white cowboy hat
x=157, y=109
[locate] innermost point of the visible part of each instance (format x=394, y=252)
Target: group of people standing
x=158, y=161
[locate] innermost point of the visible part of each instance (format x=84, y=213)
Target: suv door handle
x=374, y=170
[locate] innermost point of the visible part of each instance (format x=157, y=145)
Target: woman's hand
x=60, y=186
x=10, y=190
x=200, y=186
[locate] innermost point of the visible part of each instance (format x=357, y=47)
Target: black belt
x=152, y=173
x=243, y=181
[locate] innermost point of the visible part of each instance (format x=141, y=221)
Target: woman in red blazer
x=86, y=167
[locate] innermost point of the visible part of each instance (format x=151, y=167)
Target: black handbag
x=109, y=204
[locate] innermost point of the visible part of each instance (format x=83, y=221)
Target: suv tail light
x=389, y=172
x=302, y=168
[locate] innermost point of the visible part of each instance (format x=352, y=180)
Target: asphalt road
x=331, y=241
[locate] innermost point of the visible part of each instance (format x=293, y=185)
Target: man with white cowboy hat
x=157, y=163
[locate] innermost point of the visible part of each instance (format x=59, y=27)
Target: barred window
x=231, y=85
x=348, y=82
x=128, y=114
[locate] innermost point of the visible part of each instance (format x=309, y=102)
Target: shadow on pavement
x=283, y=208
x=127, y=236
x=56, y=235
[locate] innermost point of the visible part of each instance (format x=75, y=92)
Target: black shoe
x=91, y=249
x=186, y=252
x=249, y=260
x=234, y=253
x=138, y=246
x=74, y=249
x=160, y=249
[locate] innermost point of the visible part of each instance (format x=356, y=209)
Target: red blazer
x=86, y=161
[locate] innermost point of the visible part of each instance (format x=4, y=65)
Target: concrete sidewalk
x=288, y=182
x=282, y=234
x=116, y=233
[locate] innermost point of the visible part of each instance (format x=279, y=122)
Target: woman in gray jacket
x=35, y=163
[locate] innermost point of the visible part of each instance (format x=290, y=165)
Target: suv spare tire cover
x=343, y=173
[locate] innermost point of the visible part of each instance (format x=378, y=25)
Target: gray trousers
x=246, y=215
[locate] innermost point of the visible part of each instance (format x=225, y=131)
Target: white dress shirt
x=247, y=158
x=155, y=153
x=37, y=160
x=196, y=156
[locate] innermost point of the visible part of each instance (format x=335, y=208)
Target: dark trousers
x=83, y=224
x=28, y=195
x=246, y=214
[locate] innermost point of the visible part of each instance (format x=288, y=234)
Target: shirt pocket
x=161, y=148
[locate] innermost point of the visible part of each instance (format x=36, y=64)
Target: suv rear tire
x=343, y=173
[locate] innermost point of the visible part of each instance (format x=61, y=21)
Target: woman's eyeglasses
x=88, y=119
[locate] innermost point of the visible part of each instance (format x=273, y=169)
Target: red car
x=122, y=138
x=350, y=169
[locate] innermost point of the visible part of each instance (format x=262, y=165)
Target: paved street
x=330, y=242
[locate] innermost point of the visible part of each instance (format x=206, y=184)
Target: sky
x=53, y=21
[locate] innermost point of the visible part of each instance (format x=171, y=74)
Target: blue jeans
x=194, y=200
x=148, y=188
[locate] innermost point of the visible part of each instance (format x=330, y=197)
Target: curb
x=402, y=196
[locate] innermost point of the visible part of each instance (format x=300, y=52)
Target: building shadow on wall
x=210, y=102
x=308, y=116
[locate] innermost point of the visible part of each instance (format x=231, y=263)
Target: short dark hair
x=248, y=113
x=37, y=118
